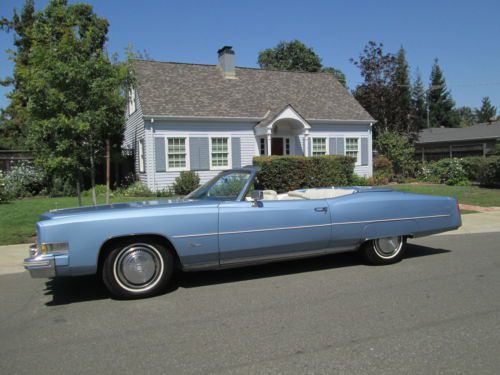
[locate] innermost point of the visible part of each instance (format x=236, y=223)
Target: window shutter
x=332, y=146
x=198, y=154
x=236, y=152
x=160, y=155
x=364, y=151
x=340, y=146
x=309, y=146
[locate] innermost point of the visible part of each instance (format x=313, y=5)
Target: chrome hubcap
x=388, y=247
x=138, y=267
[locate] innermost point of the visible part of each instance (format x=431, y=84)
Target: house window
x=176, y=153
x=142, y=163
x=352, y=148
x=262, y=146
x=219, y=153
x=131, y=101
x=287, y=146
x=319, y=146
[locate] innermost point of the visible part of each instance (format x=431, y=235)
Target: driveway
x=438, y=311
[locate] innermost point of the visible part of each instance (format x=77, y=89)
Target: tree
x=419, y=111
x=13, y=129
x=375, y=94
x=402, y=100
x=487, y=112
x=76, y=94
x=440, y=101
x=337, y=74
x=293, y=55
x=397, y=149
x=466, y=116
x=296, y=56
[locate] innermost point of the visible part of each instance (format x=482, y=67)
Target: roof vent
x=226, y=62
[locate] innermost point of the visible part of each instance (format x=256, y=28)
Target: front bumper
x=40, y=266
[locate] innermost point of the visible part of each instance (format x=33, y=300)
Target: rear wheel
x=137, y=269
x=385, y=250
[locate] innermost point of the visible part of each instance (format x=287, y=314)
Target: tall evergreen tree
x=440, y=101
x=13, y=119
x=401, y=111
x=466, y=116
x=419, y=110
x=487, y=112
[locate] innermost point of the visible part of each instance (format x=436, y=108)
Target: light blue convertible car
x=135, y=247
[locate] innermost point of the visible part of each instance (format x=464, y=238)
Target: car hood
x=107, y=208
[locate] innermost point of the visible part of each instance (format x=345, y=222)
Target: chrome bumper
x=40, y=266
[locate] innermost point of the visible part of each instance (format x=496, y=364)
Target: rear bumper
x=40, y=266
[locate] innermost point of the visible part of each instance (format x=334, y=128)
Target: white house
x=208, y=118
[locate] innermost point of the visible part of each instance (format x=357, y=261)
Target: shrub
x=444, y=171
x=186, y=183
x=4, y=196
x=138, y=189
x=382, y=170
x=398, y=150
x=472, y=166
x=286, y=173
x=455, y=174
x=24, y=180
x=490, y=172
x=100, y=191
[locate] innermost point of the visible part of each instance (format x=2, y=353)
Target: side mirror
x=257, y=195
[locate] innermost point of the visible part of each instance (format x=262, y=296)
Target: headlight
x=54, y=248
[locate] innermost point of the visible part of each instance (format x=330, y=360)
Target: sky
x=462, y=34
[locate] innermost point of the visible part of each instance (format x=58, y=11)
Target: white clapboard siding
x=134, y=131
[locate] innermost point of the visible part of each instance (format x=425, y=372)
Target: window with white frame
x=219, y=152
x=176, y=153
x=319, y=147
x=142, y=163
x=352, y=148
x=131, y=101
x=262, y=146
x=287, y=146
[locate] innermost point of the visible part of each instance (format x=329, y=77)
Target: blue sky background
x=464, y=35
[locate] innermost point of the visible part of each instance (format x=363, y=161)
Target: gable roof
x=474, y=132
x=191, y=90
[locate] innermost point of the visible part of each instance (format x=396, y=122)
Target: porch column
x=268, y=136
x=306, y=143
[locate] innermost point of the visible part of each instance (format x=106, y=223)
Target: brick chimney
x=226, y=62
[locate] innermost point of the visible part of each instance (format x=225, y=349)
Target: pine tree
x=419, y=111
x=487, y=112
x=441, y=103
x=401, y=111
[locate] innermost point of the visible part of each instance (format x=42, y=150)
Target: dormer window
x=131, y=101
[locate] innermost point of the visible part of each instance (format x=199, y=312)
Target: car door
x=272, y=230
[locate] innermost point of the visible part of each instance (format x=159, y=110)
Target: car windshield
x=225, y=186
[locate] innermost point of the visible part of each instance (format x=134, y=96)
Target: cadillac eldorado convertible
x=135, y=247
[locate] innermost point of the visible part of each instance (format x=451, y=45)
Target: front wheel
x=385, y=250
x=137, y=269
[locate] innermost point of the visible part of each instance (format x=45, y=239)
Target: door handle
x=321, y=209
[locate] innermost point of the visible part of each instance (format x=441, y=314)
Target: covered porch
x=283, y=133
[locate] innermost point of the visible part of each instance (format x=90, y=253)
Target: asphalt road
x=438, y=311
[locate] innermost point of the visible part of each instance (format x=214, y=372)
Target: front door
x=277, y=146
x=273, y=230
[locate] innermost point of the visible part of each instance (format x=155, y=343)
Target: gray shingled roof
x=177, y=89
x=475, y=132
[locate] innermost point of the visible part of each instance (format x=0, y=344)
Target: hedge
x=489, y=174
x=286, y=173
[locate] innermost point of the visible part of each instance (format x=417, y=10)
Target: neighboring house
x=11, y=157
x=207, y=118
x=439, y=143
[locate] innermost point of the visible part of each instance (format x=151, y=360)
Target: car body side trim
x=309, y=226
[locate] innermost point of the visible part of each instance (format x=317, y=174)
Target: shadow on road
x=89, y=288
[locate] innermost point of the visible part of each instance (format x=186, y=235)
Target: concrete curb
x=12, y=256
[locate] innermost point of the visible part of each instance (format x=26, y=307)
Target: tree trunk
x=92, y=177
x=108, y=170
x=79, y=192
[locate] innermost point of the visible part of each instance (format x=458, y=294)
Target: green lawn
x=18, y=218
x=473, y=195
